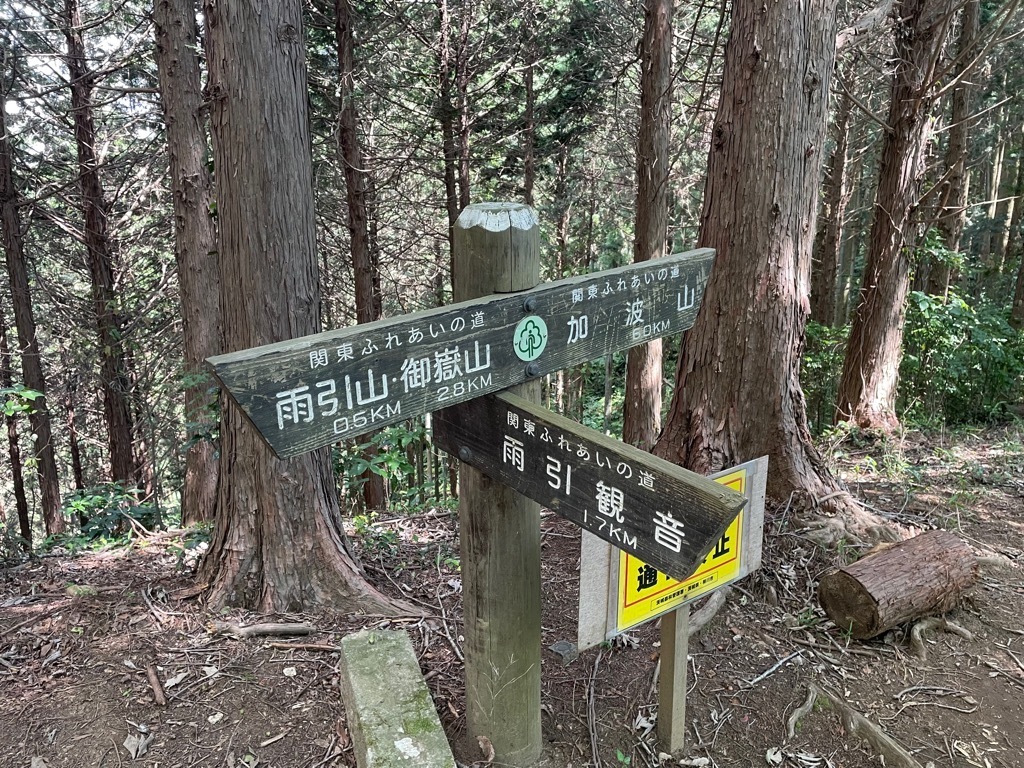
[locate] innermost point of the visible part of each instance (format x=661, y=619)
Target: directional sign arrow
x=313, y=391
x=665, y=515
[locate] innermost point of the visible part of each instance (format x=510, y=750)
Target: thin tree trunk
x=24, y=320
x=1006, y=212
x=833, y=210
x=195, y=242
x=953, y=211
x=642, y=416
x=13, y=448
x=732, y=403
x=365, y=266
x=446, y=121
x=114, y=379
x=278, y=543
x=76, y=452
x=529, y=109
x=867, y=389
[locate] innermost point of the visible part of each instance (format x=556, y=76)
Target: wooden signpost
x=315, y=391
x=310, y=392
x=665, y=515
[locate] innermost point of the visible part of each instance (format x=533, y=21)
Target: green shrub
x=961, y=363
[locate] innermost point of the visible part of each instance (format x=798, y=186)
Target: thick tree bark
x=867, y=389
x=738, y=392
x=195, y=241
x=278, y=542
x=830, y=225
x=365, y=261
x=28, y=345
x=953, y=211
x=13, y=447
x=642, y=417
x=114, y=379
x=918, y=577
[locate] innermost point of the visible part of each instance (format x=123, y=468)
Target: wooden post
x=497, y=249
x=675, y=633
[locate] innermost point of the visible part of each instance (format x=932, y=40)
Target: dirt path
x=76, y=665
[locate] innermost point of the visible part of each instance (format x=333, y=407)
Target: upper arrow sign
x=313, y=391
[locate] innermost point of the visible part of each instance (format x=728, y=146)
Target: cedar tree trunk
x=642, y=416
x=867, y=389
x=365, y=266
x=24, y=320
x=737, y=393
x=114, y=379
x=278, y=543
x=953, y=211
x=195, y=241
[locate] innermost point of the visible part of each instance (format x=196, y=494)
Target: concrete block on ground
x=390, y=713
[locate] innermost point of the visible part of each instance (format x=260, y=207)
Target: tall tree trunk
x=462, y=78
x=77, y=474
x=642, y=416
x=365, y=263
x=24, y=320
x=737, y=393
x=13, y=448
x=953, y=211
x=1006, y=212
x=529, y=109
x=278, y=543
x=195, y=242
x=867, y=389
x=1017, y=307
x=446, y=120
x=113, y=372
x=833, y=210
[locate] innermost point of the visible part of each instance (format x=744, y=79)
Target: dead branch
x=700, y=618
x=154, y=683
x=258, y=630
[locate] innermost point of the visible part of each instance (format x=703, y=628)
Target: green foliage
x=18, y=399
x=375, y=537
x=962, y=363
x=104, y=512
x=390, y=453
x=820, y=370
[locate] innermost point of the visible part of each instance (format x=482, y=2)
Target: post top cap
x=496, y=217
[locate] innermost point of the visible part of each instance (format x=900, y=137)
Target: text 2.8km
x=370, y=416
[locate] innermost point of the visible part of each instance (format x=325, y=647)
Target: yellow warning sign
x=645, y=592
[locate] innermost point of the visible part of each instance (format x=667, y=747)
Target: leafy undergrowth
x=89, y=640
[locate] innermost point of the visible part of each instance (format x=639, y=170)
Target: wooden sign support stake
x=497, y=249
x=675, y=631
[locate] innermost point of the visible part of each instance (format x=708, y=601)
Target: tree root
x=856, y=724
x=700, y=618
x=836, y=518
x=933, y=622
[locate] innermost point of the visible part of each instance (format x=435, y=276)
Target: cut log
x=923, y=576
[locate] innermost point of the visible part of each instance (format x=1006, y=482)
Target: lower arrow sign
x=666, y=515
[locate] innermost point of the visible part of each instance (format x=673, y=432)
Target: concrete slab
x=390, y=713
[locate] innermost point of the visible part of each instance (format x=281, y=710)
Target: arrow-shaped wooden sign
x=313, y=391
x=664, y=514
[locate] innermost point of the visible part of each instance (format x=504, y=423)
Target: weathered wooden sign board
x=317, y=390
x=619, y=591
x=650, y=508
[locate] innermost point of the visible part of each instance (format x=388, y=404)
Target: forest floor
x=75, y=663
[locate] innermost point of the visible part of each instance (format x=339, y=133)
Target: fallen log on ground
x=922, y=576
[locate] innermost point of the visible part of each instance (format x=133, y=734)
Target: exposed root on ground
x=855, y=723
x=840, y=517
x=933, y=622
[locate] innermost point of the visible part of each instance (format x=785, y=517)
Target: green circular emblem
x=530, y=338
